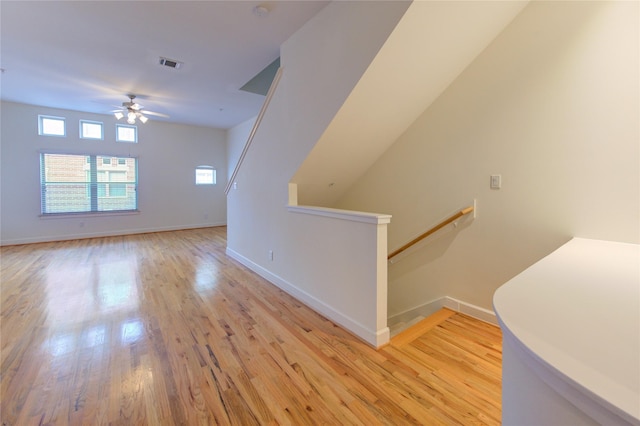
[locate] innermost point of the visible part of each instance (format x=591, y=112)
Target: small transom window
x=205, y=175
x=91, y=130
x=126, y=133
x=51, y=126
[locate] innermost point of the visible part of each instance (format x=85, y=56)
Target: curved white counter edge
x=571, y=337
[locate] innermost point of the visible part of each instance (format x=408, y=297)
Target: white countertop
x=578, y=312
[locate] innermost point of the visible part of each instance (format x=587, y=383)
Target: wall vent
x=171, y=63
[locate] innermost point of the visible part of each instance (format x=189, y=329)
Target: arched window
x=205, y=175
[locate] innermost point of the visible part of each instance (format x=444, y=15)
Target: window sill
x=47, y=216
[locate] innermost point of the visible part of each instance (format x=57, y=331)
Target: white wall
x=321, y=64
x=428, y=49
x=337, y=267
x=236, y=140
x=167, y=155
x=553, y=106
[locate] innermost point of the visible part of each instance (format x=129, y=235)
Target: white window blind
x=84, y=183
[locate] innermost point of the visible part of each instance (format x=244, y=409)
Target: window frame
x=208, y=168
x=82, y=122
x=41, y=130
x=93, y=202
x=126, y=126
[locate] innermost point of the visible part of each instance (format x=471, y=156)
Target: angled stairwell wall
x=552, y=105
x=328, y=260
x=429, y=48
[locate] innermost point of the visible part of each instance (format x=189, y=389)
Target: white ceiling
x=87, y=55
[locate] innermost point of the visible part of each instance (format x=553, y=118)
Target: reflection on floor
x=166, y=329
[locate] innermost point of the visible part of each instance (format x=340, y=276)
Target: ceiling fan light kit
x=133, y=110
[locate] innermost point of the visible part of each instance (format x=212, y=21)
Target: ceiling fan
x=132, y=110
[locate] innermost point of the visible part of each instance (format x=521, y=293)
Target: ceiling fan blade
x=157, y=114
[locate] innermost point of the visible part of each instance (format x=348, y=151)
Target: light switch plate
x=496, y=182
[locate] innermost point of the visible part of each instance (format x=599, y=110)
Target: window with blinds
x=87, y=183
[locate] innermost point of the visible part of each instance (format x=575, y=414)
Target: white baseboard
x=67, y=237
x=375, y=338
x=423, y=310
x=444, y=302
x=472, y=310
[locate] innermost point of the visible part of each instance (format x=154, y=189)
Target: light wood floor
x=164, y=329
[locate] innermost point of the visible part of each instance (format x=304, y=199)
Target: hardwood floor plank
x=166, y=329
x=412, y=333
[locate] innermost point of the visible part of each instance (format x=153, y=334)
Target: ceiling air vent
x=171, y=63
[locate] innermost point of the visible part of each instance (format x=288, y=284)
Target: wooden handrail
x=439, y=226
x=270, y=93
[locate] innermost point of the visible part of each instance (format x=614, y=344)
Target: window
x=205, y=175
x=91, y=130
x=82, y=184
x=51, y=126
x=106, y=161
x=126, y=133
x=106, y=187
